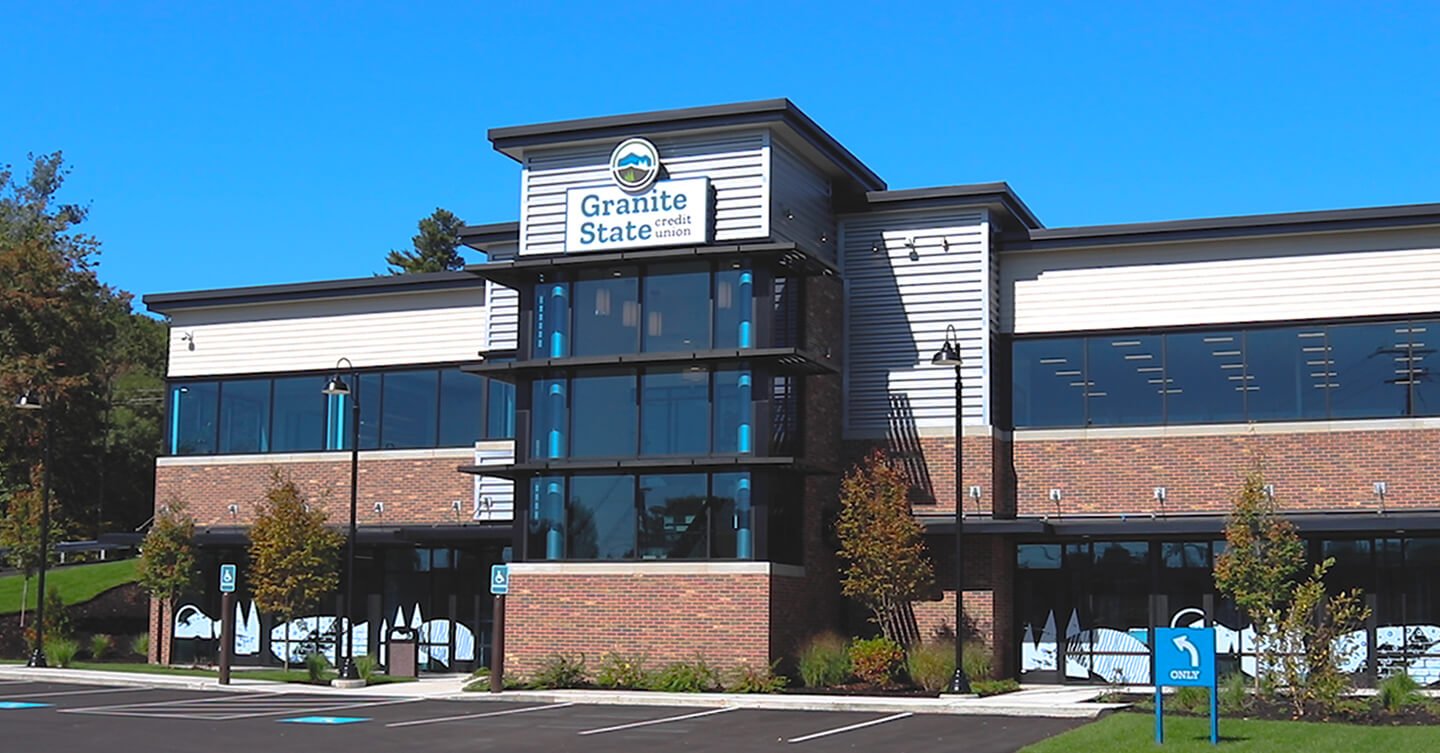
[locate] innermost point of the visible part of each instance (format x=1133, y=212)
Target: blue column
x=175, y=393
x=745, y=300
x=554, y=521
x=744, y=534
x=747, y=408
x=555, y=414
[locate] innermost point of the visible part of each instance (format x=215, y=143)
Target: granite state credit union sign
x=637, y=210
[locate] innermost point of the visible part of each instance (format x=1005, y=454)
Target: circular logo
x=634, y=165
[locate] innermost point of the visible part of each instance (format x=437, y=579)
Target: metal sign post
x=499, y=587
x=227, y=620
x=1185, y=657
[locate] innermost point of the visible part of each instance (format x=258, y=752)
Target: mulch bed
x=865, y=688
x=1371, y=714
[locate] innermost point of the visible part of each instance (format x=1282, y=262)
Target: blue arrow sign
x=1185, y=657
x=227, y=579
x=499, y=579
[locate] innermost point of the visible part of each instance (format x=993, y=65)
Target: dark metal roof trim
x=482, y=237
x=165, y=302
x=781, y=110
x=459, y=531
x=541, y=467
x=1288, y=223
x=1186, y=525
x=239, y=535
x=998, y=194
x=794, y=359
x=516, y=271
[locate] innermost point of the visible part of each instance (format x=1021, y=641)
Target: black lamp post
x=337, y=386
x=949, y=354
x=31, y=401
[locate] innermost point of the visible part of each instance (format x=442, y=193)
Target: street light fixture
x=337, y=386
x=32, y=401
x=949, y=355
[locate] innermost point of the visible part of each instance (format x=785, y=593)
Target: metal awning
x=786, y=256
x=782, y=360
x=653, y=465
x=1207, y=526
x=398, y=535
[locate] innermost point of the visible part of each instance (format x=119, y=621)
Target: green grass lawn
x=1122, y=733
x=77, y=584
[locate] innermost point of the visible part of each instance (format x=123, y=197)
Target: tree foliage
x=294, y=558
x=436, y=246
x=880, y=541
x=167, y=557
x=20, y=532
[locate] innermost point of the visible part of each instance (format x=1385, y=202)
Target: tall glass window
x=547, y=518
x=299, y=420
x=734, y=307
x=193, y=408
x=606, y=313
x=245, y=416
x=1126, y=380
x=462, y=401
x=1049, y=382
x=732, y=531
x=1288, y=372
x=733, y=409
x=1425, y=361
x=675, y=412
x=673, y=516
x=548, y=414
x=1207, y=377
x=370, y=396
x=677, y=308
x=409, y=410
x=603, y=415
x=500, y=411
x=602, y=517
x=1371, y=370
x=552, y=320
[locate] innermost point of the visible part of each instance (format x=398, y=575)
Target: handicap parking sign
x=1185, y=657
x=227, y=579
x=499, y=579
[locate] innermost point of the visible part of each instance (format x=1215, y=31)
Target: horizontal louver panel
x=494, y=496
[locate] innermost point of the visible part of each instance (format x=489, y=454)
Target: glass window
x=1288, y=369
x=546, y=532
x=732, y=531
x=734, y=308
x=1049, y=382
x=606, y=313
x=298, y=423
x=547, y=418
x=1126, y=380
x=675, y=412
x=1371, y=370
x=370, y=396
x=245, y=416
x=552, y=320
x=500, y=413
x=462, y=408
x=1424, y=347
x=409, y=409
x=733, y=412
x=192, y=418
x=1038, y=556
x=673, y=518
x=677, y=308
x=1177, y=555
x=602, y=517
x=1206, y=373
x=603, y=415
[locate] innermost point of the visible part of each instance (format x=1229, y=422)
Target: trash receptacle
x=404, y=654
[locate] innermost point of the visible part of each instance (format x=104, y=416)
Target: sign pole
x=227, y=634
x=497, y=646
x=1159, y=716
x=1214, y=713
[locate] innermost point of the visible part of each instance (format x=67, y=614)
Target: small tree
x=1310, y=637
x=294, y=558
x=436, y=246
x=20, y=534
x=887, y=567
x=167, y=560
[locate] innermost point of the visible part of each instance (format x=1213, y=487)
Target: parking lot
x=55, y=716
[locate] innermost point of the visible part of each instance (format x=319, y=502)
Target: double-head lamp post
x=337, y=386
x=949, y=354
x=31, y=401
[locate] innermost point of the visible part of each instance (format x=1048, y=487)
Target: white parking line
x=75, y=692
x=850, y=727
x=506, y=712
x=221, y=713
x=664, y=720
x=180, y=702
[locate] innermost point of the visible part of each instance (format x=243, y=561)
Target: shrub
x=366, y=665
x=1233, y=697
x=315, y=667
x=875, y=660
x=619, y=671
x=686, y=677
x=985, y=688
x=747, y=679
x=824, y=661
x=57, y=616
x=560, y=671
x=61, y=651
x=931, y=665
x=1397, y=692
x=1192, y=700
x=977, y=661
x=140, y=645
x=101, y=646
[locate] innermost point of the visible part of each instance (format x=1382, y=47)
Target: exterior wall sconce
x=1269, y=491
x=233, y=509
x=379, y=508
x=975, y=493
x=875, y=248
x=1380, y=489
x=1160, y=495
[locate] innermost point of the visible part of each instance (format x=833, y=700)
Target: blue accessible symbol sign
x=227, y=579
x=499, y=579
x=1185, y=657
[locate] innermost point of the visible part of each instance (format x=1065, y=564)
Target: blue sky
x=225, y=144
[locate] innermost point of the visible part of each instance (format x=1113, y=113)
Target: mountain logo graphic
x=634, y=165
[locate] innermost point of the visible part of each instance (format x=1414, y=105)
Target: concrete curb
x=134, y=679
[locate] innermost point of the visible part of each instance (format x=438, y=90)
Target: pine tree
x=436, y=246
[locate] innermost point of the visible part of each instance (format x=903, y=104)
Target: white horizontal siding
x=800, y=207
x=503, y=318
x=1215, y=282
x=735, y=163
x=494, y=496
x=371, y=330
x=898, y=304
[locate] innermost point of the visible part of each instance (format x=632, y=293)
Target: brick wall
x=415, y=491
x=929, y=464
x=1311, y=471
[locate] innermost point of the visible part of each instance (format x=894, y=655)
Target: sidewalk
x=1052, y=701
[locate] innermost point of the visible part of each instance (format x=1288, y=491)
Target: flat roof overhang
x=399, y=535
x=783, y=360
x=657, y=465
x=526, y=270
x=1210, y=526
x=303, y=291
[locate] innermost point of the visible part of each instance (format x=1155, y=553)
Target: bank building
x=644, y=398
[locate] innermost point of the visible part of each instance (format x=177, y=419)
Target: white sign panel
x=606, y=218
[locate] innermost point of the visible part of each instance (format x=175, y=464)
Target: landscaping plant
x=931, y=665
x=875, y=660
x=140, y=645
x=1234, y=697
x=167, y=556
x=559, y=671
x=315, y=666
x=101, y=646
x=984, y=688
x=824, y=661
x=366, y=667
x=686, y=677
x=61, y=651
x=1399, y=692
x=294, y=558
x=747, y=679
x=622, y=672
x=977, y=661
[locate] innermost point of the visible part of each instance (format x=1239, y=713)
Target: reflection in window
x=1425, y=368
x=602, y=517
x=192, y=418
x=462, y=401
x=733, y=421
x=298, y=424
x=1207, y=377
x=1185, y=554
x=732, y=533
x=369, y=397
x=606, y=313
x=552, y=320
x=675, y=412
x=602, y=415
x=677, y=308
x=1038, y=556
x=547, y=518
x=1288, y=370
x=548, y=418
x=1126, y=377
x=673, y=516
x=409, y=405
x=734, y=308
x=245, y=416
x=500, y=411
x=1371, y=370
x=1049, y=382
